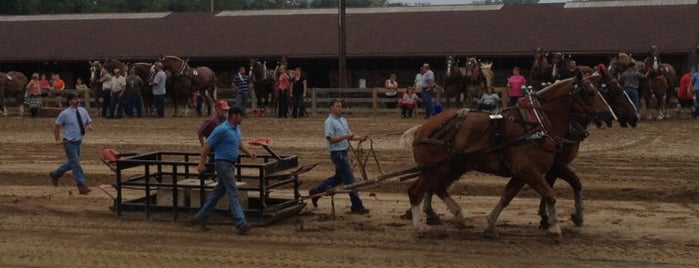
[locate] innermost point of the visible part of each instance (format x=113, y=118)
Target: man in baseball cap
x=221, y=105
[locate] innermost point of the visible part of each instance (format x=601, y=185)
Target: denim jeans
x=159, y=103
x=343, y=175
x=225, y=186
x=427, y=101
x=117, y=105
x=241, y=99
x=72, y=163
x=633, y=95
x=696, y=107
x=134, y=102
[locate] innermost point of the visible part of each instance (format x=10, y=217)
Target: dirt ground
x=640, y=186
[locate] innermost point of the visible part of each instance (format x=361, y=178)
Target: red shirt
x=683, y=93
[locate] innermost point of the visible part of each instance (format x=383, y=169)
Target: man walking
x=227, y=143
x=69, y=130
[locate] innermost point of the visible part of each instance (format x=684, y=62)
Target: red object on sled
x=260, y=141
x=110, y=155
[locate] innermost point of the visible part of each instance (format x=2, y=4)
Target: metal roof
x=480, y=30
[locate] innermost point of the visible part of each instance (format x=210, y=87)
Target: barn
x=379, y=41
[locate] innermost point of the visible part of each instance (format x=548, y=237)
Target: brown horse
x=658, y=87
x=541, y=73
x=264, y=83
x=454, y=83
x=524, y=144
x=611, y=94
x=201, y=79
x=12, y=85
x=474, y=81
x=145, y=71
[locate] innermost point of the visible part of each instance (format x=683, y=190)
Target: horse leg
x=564, y=172
x=513, y=187
x=453, y=207
x=547, y=193
x=416, y=193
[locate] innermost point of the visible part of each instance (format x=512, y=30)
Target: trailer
x=169, y=182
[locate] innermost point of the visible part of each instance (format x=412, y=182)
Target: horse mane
x=406, y=140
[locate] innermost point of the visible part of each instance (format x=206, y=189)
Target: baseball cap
x=236, y=110
x=223, y=105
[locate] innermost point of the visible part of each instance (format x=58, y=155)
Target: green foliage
x=511, y=2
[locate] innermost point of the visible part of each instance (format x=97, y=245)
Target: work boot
x=244, y=229
x=84, y=190
x=54, y=179
x=195, y=222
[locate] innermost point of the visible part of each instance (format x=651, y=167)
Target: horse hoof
x=434, y=220
x=544, y=224
x=408, y=215
x=555, y=237
x=491, y=233
x=578, y=220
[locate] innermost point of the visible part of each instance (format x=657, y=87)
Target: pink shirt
x=283, y=82
x=516, y=82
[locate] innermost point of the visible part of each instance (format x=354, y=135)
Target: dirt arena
x=640, y=186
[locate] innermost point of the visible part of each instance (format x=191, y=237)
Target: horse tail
x=406, y=140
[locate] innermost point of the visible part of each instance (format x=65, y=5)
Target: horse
x=454, y=83
x=659, y=86
x=12, y=84
x=610, y=94
x=145, y=71
x=541, y=73
x=474, y=81
x=264, y=83
x=525, y=144
x=201, y=79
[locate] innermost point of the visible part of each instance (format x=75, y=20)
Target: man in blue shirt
x=240, y=83
x=695, y=86
x=73, y=122
x=338, y=135
x=227, y=143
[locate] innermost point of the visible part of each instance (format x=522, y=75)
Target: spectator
x=241, y=83
x=570, y=71
x=391, y=86
x=408, y=102
x=695, y=85
x=134, y=86
x=158, y=86
x=685, y=94
x=427, y=85
x=57, y=86
x=226, y=141
x=515, y=84
x=117, y=97
x=81, y=88
x=338, y=135
x=45, y=85
x=298, y=93
x=106, y=80
x=629, y=79
x=71, y=123
x=283, y=86
x=489, y=101
x=34, y=95
x=221, y=114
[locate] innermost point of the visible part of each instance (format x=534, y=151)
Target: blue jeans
x=696, y=107
x=427, y=101
x=241, y=99
x=72, y=163
x=117, y=105
x=633, y=94
x=225, y=186
x=106, y=101
x=134, y=102
x=159, y=103
x=343, y=175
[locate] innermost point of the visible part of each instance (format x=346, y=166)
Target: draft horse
x=12, y=84
x=523, y=145
x=610, y=94
x=542, y=72
x=658, y=88
x=199, y=79
x=264, y=83
x=454, y=83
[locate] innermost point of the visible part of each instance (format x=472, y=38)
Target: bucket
x=437, y=109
